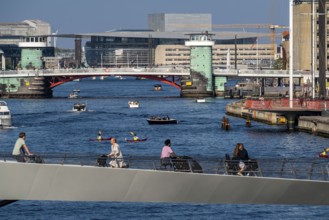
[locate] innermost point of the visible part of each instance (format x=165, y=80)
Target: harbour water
x=52, y=127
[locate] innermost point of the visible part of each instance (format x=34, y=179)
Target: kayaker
x=99, y=136
x=136, y=138
x=324, y=153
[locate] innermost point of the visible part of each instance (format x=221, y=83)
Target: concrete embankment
x=238, y=109
x=318, y=125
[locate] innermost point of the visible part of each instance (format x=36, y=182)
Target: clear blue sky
x=85, y=16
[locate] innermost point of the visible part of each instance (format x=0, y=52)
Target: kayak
x=139, y=140
x=324, y=153
x=103, y=139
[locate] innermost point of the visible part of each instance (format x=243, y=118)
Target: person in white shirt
x=20, y=148
x=116, y=155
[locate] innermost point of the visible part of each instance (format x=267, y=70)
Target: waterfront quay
x=318, y=125
x=239, y=109
x=309, y=115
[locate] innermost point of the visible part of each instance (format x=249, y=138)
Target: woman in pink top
x=166, y=154
x=167, y=151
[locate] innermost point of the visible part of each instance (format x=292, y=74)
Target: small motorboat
x=161, y=120
x=157, y=87
x=200, y=100
x=74, y=94
x=133, y=104
x=119, y=77
x=138, y=140
x=79, y=107
x=5, y=116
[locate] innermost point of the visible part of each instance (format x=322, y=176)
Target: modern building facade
x=303, y=39
x=247, y=54
x=25, y=43
x=117, y=49
x=163, y=44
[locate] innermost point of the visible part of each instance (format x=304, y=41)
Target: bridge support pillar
x=279, y=82
x=291, y=121
x=25, y=87
x=263, y=86
x=78, y=52
x=201, y=79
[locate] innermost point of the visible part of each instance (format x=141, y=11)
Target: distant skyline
x=68, y=16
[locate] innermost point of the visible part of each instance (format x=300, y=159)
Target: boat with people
x=5, y=115
x=79, y=107
x=208, y=180
x=157, y=87
x=119, y=77
x=133, y=104
x=74, y=94
x=161, y=120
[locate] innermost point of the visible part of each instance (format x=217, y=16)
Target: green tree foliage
x=279, y=64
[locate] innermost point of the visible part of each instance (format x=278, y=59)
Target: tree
x=279, y=64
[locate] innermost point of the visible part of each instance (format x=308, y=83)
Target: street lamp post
x=102, y=60
x=313, y=49
x=291, y=40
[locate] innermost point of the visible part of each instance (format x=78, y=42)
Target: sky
x=86, y=16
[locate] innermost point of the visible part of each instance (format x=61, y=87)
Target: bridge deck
x=67, y=182
x=249, y=73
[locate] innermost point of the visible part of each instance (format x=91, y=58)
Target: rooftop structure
x=25, y=41
x=165, y=22
x=11, y=33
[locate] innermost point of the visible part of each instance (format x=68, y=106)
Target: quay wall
x=318, y=125
x=238, y=109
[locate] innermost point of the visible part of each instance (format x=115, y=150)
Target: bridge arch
x=58, y=80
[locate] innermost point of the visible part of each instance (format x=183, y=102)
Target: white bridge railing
x=96, y=72
x=312, y=168
x=172, y=71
